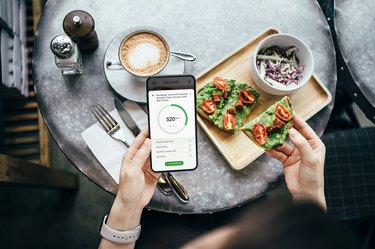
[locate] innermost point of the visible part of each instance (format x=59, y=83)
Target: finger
x=286, y=149
x=152, y=173
x=303, y=127
x=137, y=143
x=151, y=176
x=305, y=150
x=147, y=168
x=277, y=155
x=142, y=155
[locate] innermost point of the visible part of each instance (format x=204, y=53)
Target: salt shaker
x=80, y=26
x=67, y=56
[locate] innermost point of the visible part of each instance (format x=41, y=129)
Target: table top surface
x=208, y=29
x=354, y=23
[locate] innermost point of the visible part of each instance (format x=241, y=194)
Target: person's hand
x=136, y=187
x=303, y=163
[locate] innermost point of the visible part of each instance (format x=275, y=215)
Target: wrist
x=123, y=216
x=321, y=199
x=318, y=197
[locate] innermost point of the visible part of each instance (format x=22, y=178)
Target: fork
x=108, y=123
x=113, y=129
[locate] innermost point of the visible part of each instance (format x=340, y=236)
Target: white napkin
x=108, y=151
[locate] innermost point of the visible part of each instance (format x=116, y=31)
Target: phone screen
x=172, y=123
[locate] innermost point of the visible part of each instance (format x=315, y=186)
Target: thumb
x=142, y=154
x=307, y=153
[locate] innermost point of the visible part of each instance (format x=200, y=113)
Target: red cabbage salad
x=279, y=67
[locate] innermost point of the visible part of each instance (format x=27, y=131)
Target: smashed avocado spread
x=227, y=111
x=240, y=115
x=277, y=136
x=206, y=93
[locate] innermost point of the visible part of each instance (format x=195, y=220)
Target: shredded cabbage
x=279, y=67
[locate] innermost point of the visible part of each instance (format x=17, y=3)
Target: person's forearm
x=121, y=217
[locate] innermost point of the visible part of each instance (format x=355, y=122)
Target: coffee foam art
x=144, y=54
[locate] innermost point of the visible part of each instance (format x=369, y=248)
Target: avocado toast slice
x=270, y=129
x=205, y=97
x=239, y=105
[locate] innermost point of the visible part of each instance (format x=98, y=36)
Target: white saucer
x=127, y=85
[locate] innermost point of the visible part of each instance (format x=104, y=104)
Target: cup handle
x=113, y=65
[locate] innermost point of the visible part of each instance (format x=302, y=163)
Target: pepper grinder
x=67, y=56
x=80, y=25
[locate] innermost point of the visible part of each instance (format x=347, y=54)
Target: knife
x=168, y=178
x=128, y=120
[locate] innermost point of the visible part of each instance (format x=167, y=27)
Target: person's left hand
x=137, y=184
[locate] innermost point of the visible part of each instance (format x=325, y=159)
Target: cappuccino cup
x=142, y=53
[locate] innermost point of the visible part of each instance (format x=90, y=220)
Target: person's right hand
x=303, y=163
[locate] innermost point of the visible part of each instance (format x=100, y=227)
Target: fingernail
x=147, y=142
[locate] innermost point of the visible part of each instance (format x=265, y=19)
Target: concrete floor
x=41, y=218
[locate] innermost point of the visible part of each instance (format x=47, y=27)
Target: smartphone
x=172, y=122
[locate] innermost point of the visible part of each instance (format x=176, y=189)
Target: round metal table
x=354, y=21
x=208, y=29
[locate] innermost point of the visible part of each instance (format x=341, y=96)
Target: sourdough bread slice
x=276, y=126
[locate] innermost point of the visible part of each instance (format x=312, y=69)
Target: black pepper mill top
x=80, y=26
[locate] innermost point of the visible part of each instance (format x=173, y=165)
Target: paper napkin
x=108, y=151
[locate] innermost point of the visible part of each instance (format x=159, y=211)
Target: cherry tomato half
x=231, y=110
x=239, y=105
x=260, y=134
x=220, y=83
x=279, y=123
x=226, y=94
x=270, y=129
x=282, y=113
x=208, y=106
x=246, y=96
x=229, y=121
x=216, y=97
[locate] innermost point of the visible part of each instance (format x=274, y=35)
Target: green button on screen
x=174, y=163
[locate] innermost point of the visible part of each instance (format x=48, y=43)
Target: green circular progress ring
x=182, y=109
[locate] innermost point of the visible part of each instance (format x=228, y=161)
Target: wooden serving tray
x=237, y=149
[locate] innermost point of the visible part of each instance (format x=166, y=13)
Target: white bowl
x=303, y=54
